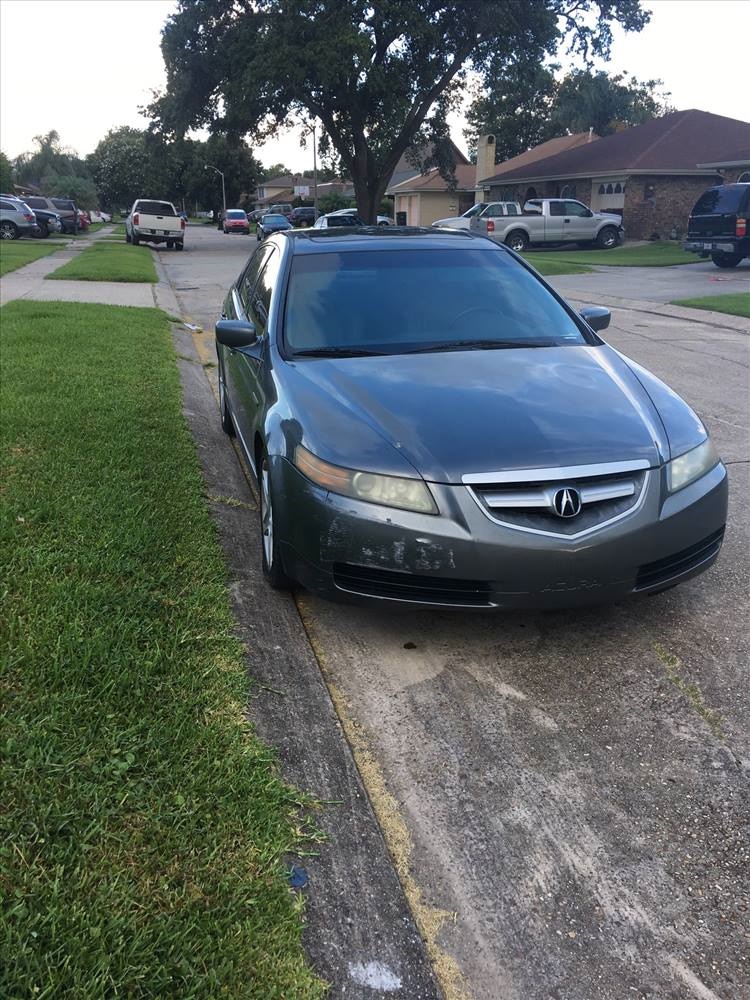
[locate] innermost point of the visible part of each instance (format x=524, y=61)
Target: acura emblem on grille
x=567, y=502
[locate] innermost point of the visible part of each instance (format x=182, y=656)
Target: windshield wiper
x=336, y=352
x=477, y=345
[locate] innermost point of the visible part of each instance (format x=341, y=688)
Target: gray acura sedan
x=430, y=423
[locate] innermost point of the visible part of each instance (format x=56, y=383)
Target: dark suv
x=302, y=216
x=717, y=227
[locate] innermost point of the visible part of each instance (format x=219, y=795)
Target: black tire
x=170, y=244
x=8, y=230
x=179, y=245
x=135, y=239
x=607, y=238
x=273, y=567
x=127, y=237
x=226, y=417
x=517, y=240
x=43, y=231
x=726, y=259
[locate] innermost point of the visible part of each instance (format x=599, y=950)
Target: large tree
x=379, y=75
x=585, y=100
x=6, y=175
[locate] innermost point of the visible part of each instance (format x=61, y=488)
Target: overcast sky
x=85, y=66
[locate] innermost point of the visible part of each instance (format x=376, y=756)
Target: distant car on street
x=46, y=223
x=155, y=222
x=272, y=223
x=484, y=210
x=282, y=208
x=551, y=221
x=718, y=225
x=382, y=220
x=303, y=216
x=336, y=220
x=235, y=221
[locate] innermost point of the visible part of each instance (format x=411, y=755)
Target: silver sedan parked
x=431, y=423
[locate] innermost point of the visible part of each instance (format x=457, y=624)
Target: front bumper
x=349, y=549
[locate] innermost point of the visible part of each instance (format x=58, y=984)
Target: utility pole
x=312, y=128
x=209, y=166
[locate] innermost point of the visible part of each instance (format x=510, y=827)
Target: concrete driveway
x=565, y=794
x=656, y=284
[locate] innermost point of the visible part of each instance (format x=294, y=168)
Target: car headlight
x=390, y=491
x=685, y=469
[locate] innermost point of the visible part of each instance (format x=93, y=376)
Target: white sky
x=104, y=60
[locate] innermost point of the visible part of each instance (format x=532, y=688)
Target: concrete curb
x=360, y=934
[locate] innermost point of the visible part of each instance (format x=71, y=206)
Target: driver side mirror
x=236, y=333
x=597, y=317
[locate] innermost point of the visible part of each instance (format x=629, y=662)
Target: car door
x=236, y=306
x=578, y=222
x=556, y=224
x=249, y=361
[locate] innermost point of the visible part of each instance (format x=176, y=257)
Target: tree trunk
x=369, y=193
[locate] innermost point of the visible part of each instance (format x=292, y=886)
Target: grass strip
x=146, y=828
x=108, y=262
x=665, y=254
x=547, y=265
x=15, y=254
x=119, y=229
x=734, y=305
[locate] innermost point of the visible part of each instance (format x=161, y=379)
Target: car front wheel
x=273, y=568
x=517, y=240
x=607, y=238
x=8, y=230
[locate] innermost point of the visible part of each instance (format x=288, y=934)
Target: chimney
x=485, y=158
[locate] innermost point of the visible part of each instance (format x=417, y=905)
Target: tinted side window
x=493, y=212
x=511, y=210
x=63, y=203
x=36, y=202
x=719, y=200
x=247, y=282
x=261, y=304
x=576, y=208
x=557, y=208
x=8, y=206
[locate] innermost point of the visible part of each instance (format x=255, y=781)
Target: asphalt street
x=565, y=795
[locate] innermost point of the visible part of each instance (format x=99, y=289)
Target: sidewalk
x=29, y=283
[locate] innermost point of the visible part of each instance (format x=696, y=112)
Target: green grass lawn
x=16, y=253
x=106, y=261
x=146, y=828
x=546, y=264
x=735, y=305
x=652, y=255
x=119, y=229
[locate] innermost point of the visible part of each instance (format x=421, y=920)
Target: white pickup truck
x=482, y=210
x=155, y=222
x=553, y=220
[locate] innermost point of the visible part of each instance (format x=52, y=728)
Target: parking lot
x=573, y=786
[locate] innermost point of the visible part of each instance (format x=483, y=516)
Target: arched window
x=568, y=191
x=610, y=189
x=530, y=193
x=744, y=178
x=602, y=189
x=618, y=188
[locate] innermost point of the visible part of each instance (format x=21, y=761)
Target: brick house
x=651, y=174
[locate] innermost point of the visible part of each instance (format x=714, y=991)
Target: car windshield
x=155, y=208
x=397, y=301
x=273, y=220
x=236, y=213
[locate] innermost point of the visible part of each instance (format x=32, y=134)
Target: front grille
x=528, y=505
x=664, y=570
x=371, y=582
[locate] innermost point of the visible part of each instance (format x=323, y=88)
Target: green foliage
x=81, y=189
x=6, y=175
x=596, y=100
x=57, y=171
x=126, y=166
x=381, y=78
x=332, y=202
x=275, y=170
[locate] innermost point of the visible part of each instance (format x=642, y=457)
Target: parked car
x=303, y=216
x=488, y=210
x=235, y=221
x=283, y=208
x=382, y=220
x=84, y=220
x=16, y=218
x=271, y=223
x=551, y=221
x=155, y=222
x=334, y=220
x=63, y=207
x=497, y=452
x=718, y=225
x=46, y=223
x=257, y=215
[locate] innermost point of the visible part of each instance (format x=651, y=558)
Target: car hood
x=445, y=415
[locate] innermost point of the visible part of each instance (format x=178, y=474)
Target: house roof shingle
x=675, y=143
x=545, y=149
x=432, y=181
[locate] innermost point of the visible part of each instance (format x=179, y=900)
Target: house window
x=618, y=188
x=610, y=189
x=568, y=191
x=602, y=189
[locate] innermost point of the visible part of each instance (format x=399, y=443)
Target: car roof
x=336, y=240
